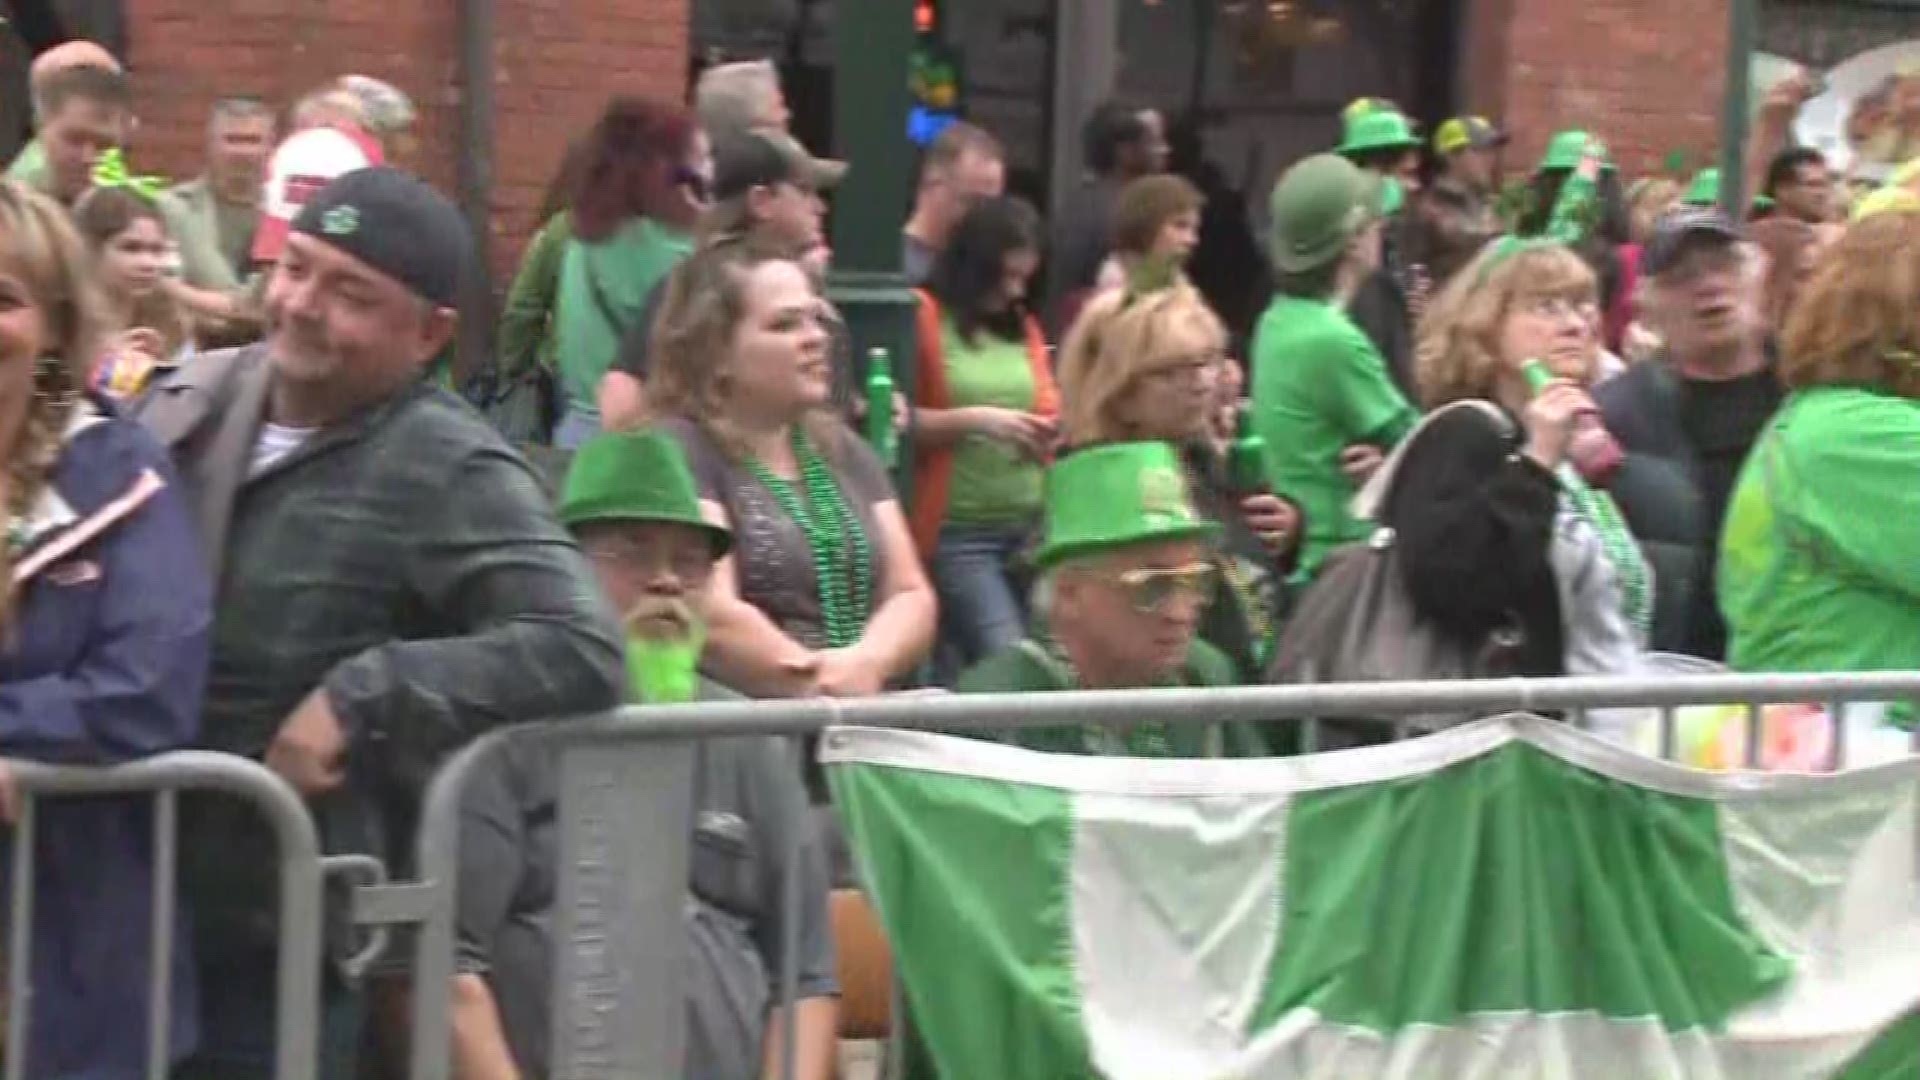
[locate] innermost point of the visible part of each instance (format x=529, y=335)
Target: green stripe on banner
x=1513, y=882
x=1895, y=1055
x=933, y=851
x=1510, y=898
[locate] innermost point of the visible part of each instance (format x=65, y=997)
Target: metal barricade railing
x=164, y=777
x=625, y=798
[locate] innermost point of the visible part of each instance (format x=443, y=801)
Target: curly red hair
x=630, y=167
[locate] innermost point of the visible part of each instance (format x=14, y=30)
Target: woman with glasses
x=985, y=425
x=1148, y=366
x=642, y=182
x=1501, y=517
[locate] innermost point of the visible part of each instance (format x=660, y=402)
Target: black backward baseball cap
x=396, y=223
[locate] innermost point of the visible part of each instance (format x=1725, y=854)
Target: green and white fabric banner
x=1507, y=899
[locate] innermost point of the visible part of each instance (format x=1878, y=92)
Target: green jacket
x=1029, y=668
x=526, y=334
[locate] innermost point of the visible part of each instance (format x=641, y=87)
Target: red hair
x=631, y=168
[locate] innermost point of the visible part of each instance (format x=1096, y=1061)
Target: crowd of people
x=1605, y=428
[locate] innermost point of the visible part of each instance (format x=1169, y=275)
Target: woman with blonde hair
x=1145, y=366
x=1820, y=558
x=823, y=593
x=1496, y=526
x=104, y=615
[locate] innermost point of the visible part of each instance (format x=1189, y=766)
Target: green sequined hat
x=1566, y=149
x=1112, y=496
x=635, y=476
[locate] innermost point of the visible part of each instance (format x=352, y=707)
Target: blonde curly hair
x=1119, y=338
x=39, y=246
x=1457, y=352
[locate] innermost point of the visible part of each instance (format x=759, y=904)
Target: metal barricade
x=164, y=777
x=625, y=796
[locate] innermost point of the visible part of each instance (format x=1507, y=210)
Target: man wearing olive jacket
x=392, y=582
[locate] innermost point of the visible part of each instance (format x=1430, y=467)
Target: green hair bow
x=111, y=172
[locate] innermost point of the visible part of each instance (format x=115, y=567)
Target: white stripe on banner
x=1176, y=918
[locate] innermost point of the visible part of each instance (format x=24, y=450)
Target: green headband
x=1506, y=248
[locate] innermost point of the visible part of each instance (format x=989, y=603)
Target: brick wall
x=1647, y=75
x=557, y=62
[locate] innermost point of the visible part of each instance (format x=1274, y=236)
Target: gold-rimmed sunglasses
x=1150, y=590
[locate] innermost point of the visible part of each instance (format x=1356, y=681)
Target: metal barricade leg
x=166, y=834
x=20, y=939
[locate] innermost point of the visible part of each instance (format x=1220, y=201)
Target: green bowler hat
x=1317, y=208
x=635, y=476
x=1381, y=129
x=1116, y=495
x=1566, y=149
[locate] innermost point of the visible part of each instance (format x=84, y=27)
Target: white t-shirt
x=276, y=441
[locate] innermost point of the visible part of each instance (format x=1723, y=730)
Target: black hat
x=762, y=159
x=1675, y=230
x=397, y=224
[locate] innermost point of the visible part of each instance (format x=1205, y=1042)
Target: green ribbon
x=111, y=172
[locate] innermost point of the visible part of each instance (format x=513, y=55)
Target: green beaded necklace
x=1616, y=540
x=842, y=556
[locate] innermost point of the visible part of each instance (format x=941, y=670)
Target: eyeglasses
x=1186, y=370
x=1151, y=590
x=1555, y=307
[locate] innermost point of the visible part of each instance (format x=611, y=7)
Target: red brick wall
x=557, y=61
x=1646, y=75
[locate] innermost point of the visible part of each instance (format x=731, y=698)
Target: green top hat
x=1317, y=207
x=1704, y=190
x=1111, y=496
x=1566, y=149
x=1381, y=129
x=635, y=476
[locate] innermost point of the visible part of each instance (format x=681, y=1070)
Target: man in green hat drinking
x=1323, y=398
x=631, y=502
x=1126, y=570
x=1388, y=302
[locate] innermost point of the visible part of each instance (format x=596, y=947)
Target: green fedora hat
x=1566, y=148
x=1115, y=495
x=1379, y=129
x=635, y=476
x=1317, y=208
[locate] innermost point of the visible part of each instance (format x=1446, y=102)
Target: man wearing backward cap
x=394, y=581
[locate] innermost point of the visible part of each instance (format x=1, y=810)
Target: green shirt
x=993, y=483
x=1029, y=667
x=195, y=221
x=1820, y=557
x=30, y=168
x=603, y=287
x=212, y=231
x=1319, y=387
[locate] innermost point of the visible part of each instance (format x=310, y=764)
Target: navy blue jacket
x=105, y=663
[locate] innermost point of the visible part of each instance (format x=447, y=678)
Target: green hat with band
x=1114, y=496
x=1565, y=150
x=1380, y=129
x=1317, y=208
x=635, y=476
